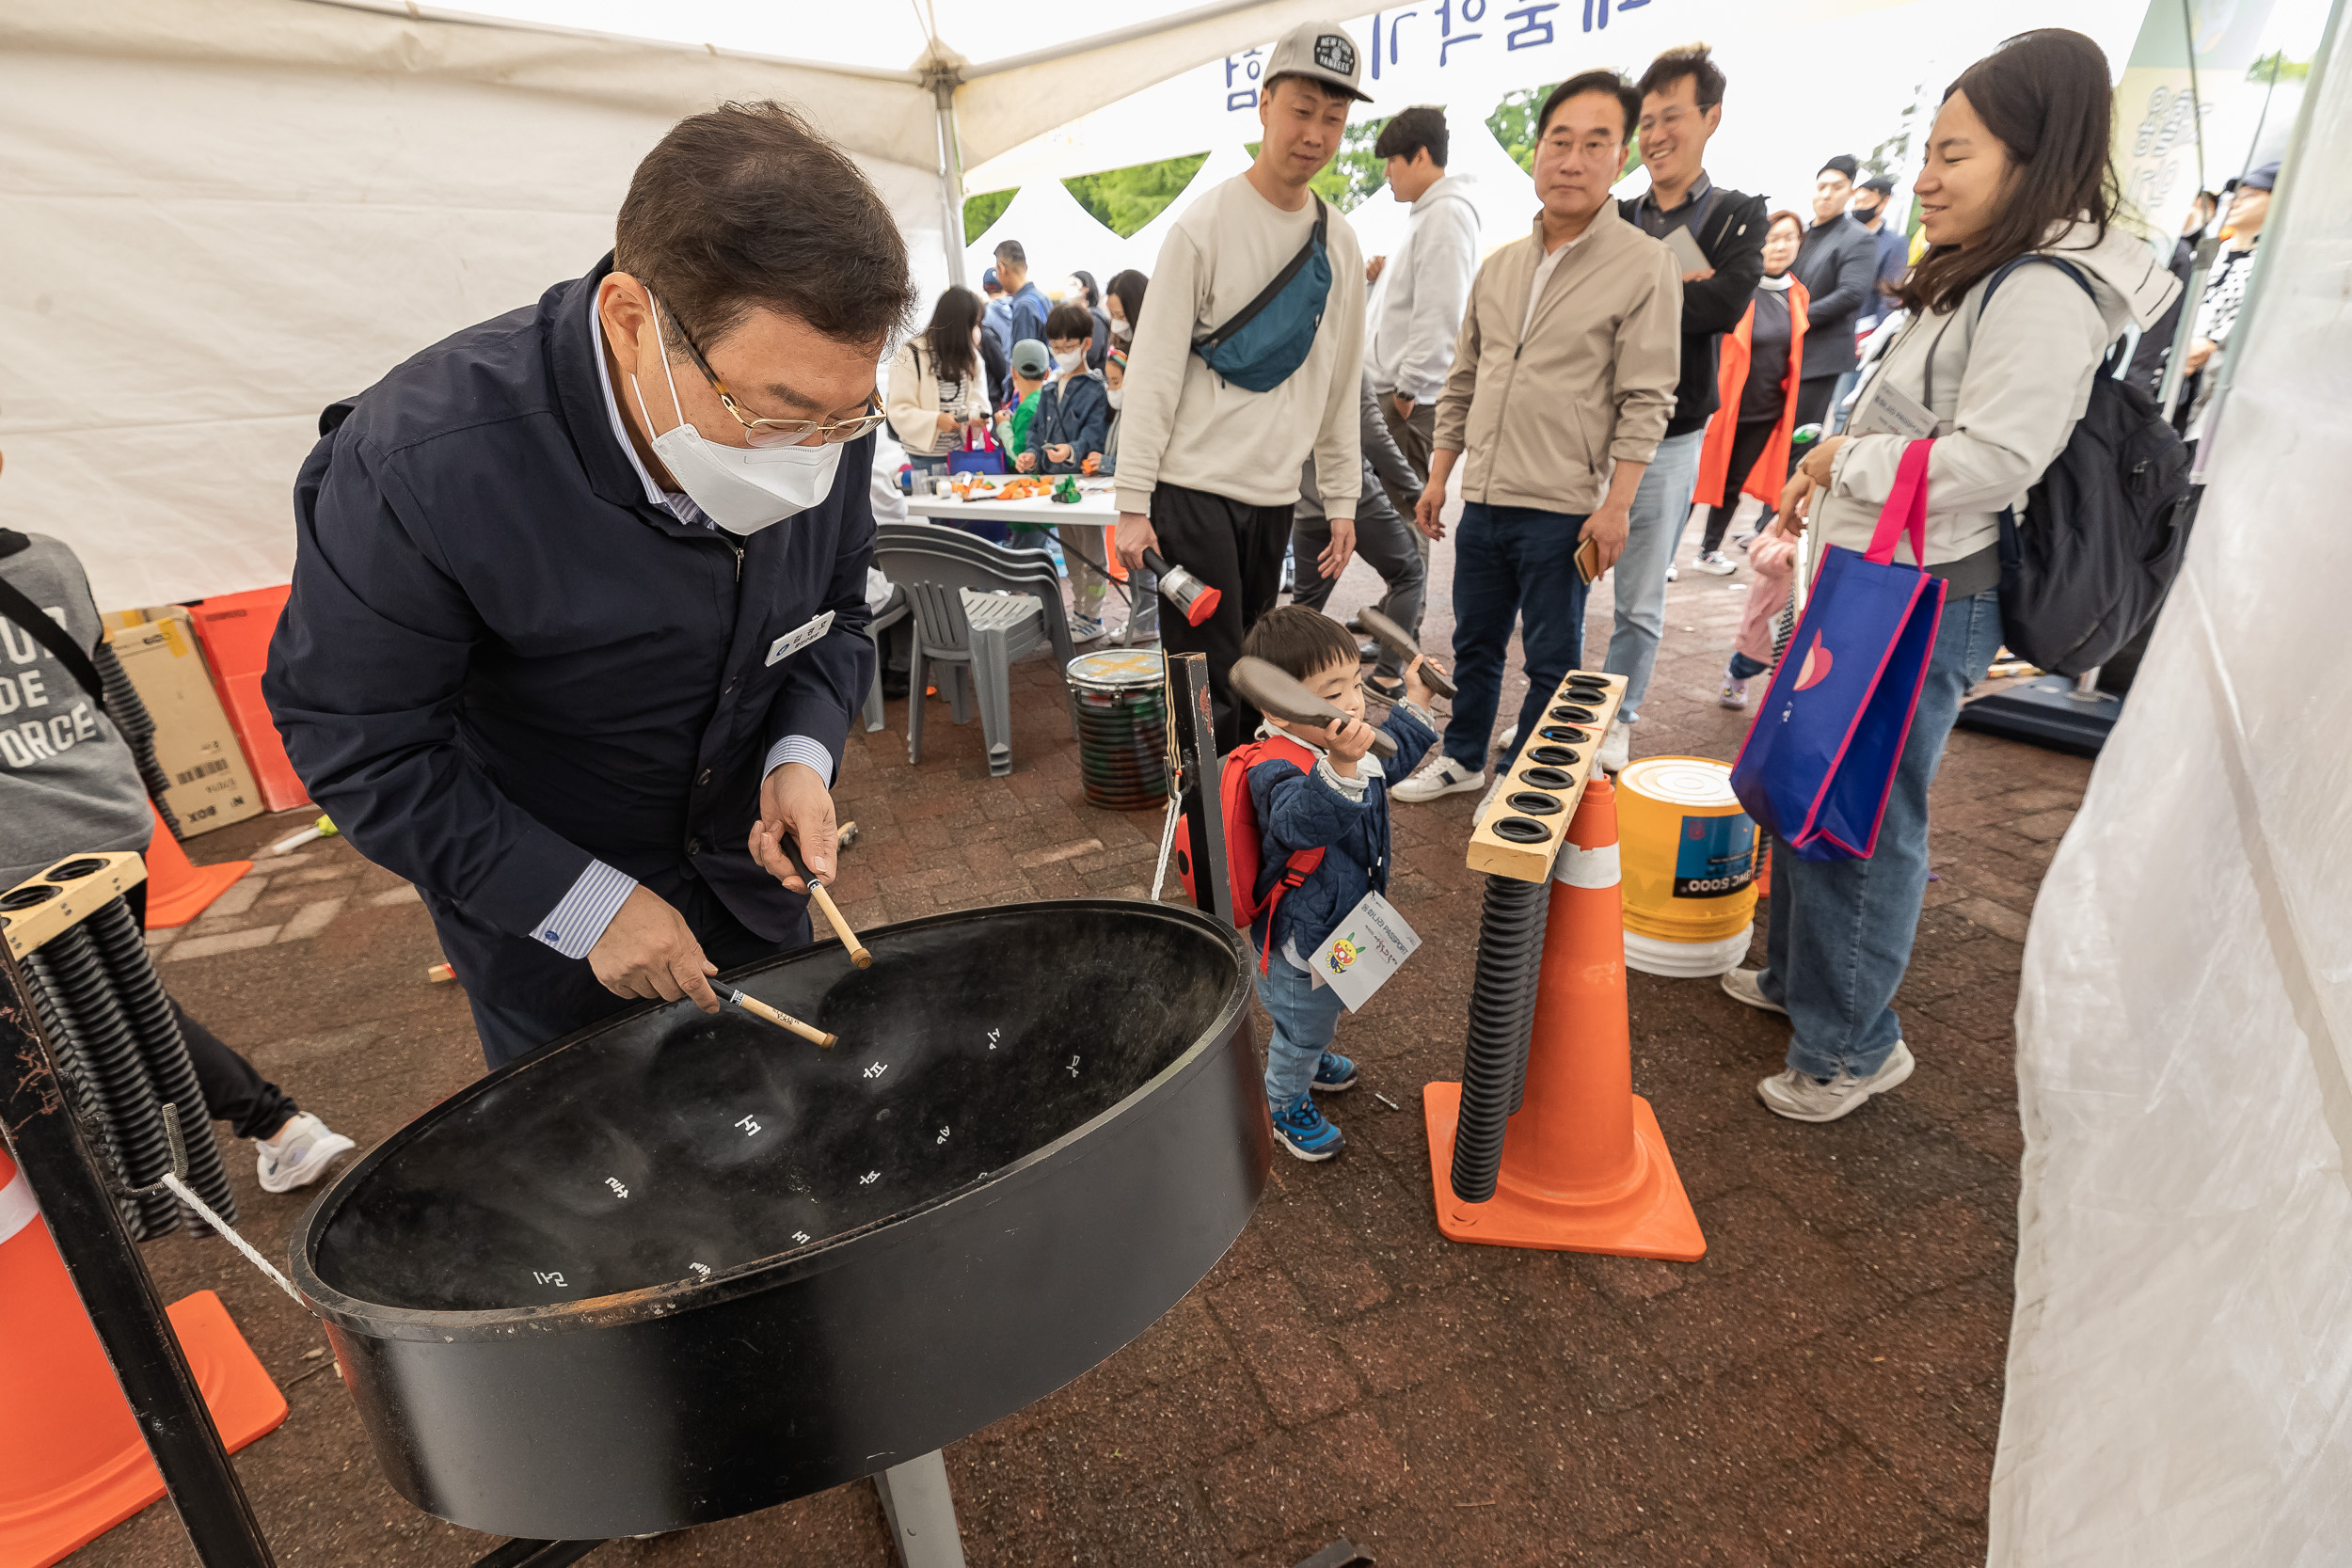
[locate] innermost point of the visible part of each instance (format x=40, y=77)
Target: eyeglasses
x=779, y=432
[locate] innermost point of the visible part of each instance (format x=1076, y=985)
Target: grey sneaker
x=1800, y=1096
x=298, y=1153
x=1617, y=749
x=1742, y=985
x=1445, y=776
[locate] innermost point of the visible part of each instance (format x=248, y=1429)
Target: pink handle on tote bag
x=1906, y=509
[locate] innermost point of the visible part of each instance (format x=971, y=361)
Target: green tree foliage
x=1513, y=122
x=1354, y=175
x=981, y=211
x=2276, y=66
x=1125, y=199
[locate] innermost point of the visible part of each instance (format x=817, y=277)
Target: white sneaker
x=1801, y=1098
x=1617, y=750
x=1487, y=802
x=1673, y=572
x=1740, y=986
x=1085, y=629
x=299, y=1153
x=1734, y=694
x=1447, y=776
x=1510, y=739
x=1713, y=563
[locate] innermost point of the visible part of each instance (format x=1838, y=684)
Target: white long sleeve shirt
x=1181, y=423
x=1428, y=289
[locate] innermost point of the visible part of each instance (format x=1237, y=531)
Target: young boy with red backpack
x=1322, y=821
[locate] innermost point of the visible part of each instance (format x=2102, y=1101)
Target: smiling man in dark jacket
x=579, y=601
x=1683, y=104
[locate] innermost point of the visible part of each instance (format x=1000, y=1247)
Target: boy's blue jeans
x=1841, y=930
x=1306, y=1017
x=1511, y=563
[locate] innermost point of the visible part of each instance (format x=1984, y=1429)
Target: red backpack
x=1240, y=811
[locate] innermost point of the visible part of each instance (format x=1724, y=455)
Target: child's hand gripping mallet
x=1280, y=696
x=777, y=1016
x=1399, y=642
x=1196, y=599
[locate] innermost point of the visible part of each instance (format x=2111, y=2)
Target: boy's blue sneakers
x=1334, y=1074
x=1303, y=1129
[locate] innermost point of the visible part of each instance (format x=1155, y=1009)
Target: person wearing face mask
x=1122, y=301
x=1763, y=357
x=2225, y=290
x=578, y=613
x=1089, y=295
x=1074, y=412
x=938, y=391
x=1839, y=265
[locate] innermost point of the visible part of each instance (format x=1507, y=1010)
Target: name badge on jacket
x=793, y=641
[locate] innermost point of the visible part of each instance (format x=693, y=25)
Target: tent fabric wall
x=2180, y=1373
x=1056, y=235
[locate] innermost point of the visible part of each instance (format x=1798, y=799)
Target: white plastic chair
x=978, y=606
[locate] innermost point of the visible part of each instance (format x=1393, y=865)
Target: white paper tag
x=1371, y=944
x=1891, y=411
x=793, y=641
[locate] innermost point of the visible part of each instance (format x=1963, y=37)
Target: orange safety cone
x=1584, y=1165
x=177, y=891
x=72, y=1464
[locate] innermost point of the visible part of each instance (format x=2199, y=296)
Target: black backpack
x=2106, y=526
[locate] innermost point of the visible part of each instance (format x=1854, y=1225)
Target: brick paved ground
x=1825, y=1387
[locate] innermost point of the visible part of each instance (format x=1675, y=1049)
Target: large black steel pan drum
x=676, y=1268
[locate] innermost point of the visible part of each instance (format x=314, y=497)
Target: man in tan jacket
x=1564, y=376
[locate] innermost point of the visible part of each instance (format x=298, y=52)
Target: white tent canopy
x=1056, y=235
x=1225, y=160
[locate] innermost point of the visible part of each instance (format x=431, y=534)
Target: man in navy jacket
x=578, y=612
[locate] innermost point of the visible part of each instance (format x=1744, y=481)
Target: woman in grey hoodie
x=2017, y=165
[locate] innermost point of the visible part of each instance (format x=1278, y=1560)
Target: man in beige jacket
x=1564, y=376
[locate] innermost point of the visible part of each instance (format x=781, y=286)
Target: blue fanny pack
x=1270, y=338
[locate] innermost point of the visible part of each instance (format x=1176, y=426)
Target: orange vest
x=1770, y=474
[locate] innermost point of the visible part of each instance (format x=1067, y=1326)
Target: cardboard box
x=212, y=785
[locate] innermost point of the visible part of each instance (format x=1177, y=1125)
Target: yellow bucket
x=1689, y=856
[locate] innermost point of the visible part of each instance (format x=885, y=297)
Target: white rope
x=1167, y=842
x=178, y=1189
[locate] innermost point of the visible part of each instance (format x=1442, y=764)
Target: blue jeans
x=1841, y=930
x=1305, y=1019
x=1662, y=508
x=1511, y=561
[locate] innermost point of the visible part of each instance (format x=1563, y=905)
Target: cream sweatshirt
x=1181, y=423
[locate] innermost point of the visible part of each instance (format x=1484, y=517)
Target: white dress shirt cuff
x=580, y=917
x=801, y=749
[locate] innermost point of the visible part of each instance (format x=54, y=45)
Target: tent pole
x=950, y=178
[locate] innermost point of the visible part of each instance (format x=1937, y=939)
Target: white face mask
x=1073, y=362
x=1115, y=394
x=742, y=489
x=1122, y=330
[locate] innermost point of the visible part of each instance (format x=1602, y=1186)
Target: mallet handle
x=781, y=1018
x=858, y=954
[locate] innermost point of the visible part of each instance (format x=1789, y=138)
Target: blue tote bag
x=1820, y=761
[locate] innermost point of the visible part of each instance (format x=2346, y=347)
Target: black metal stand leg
x=1195, y=753
x=104, y=1266
x=538, y=1554
x=922, y=1512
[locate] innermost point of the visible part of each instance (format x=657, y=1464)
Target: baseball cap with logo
x=1321, y=52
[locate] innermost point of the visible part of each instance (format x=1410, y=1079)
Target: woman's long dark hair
x=2045, y=95
x=1128, y=286
x=949, y=337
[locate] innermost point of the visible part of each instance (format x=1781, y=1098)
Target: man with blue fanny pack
x=1247, y=362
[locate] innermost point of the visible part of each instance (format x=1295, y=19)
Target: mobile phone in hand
x=1588, y=561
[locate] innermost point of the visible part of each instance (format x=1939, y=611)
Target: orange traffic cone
x=1584, y=1165
x=177, y=891
x=72, y=1463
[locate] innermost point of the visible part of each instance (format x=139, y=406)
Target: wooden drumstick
x=858, y=954
x=783, y=1019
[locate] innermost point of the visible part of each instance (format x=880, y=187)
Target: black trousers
x=525, y=994
x=1749, y=438
x=234, y=1090
x=1236, y=548
x=1815, y=393
x=1385, y=541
